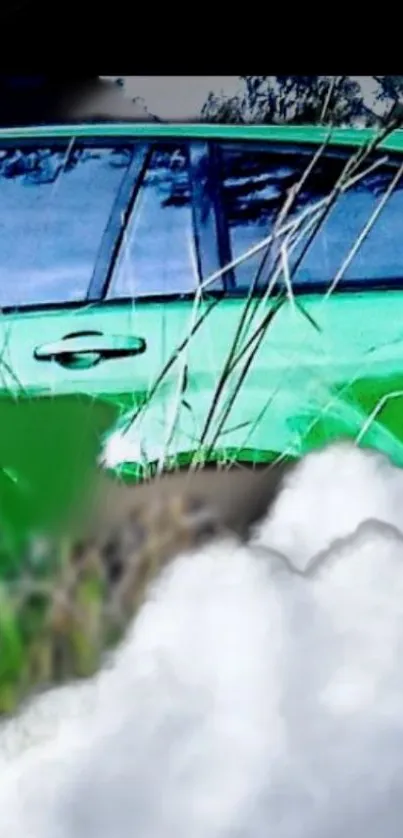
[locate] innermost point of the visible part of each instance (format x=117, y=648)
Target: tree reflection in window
x=157, y=256
x=55, y=204
x=255, y=182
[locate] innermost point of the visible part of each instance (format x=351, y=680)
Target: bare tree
x=336, y=100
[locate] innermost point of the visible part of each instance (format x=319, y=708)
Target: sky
x=178, y=97
x=182, y=97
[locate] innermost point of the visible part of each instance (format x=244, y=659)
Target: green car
x=177, y=294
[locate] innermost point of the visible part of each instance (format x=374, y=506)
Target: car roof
x=311, y=134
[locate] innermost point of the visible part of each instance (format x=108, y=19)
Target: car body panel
x=266, y=133
x=307, y=385
x=21, y=334
x=329, y=366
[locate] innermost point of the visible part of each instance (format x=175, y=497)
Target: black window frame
x=199, y=235
x=115, y=229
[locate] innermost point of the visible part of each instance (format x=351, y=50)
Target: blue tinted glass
x=158, y=252
x=55, y=204
x=255, y=185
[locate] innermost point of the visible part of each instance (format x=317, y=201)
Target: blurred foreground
x=83, y=548
x=256, y=693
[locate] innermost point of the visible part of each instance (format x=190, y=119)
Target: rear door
x=328, y=359
x=330, y=362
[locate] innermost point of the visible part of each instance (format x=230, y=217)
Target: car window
x=55, y=205
x=158, y=252
x=255, y=181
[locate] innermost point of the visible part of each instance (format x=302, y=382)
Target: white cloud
x=249, y=700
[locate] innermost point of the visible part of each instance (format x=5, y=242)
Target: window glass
x=55, y=205
x=255, y=183
x=158, y=254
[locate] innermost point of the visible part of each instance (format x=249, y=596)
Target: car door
x=329, y=362
x=73, y=214
x=63, y=214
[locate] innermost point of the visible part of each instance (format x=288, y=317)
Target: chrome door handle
x=81, y=350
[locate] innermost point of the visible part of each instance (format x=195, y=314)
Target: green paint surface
x=337, y=372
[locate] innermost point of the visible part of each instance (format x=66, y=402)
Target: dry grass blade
x=349, y=175
x=252, y=304
x=171, y=361
x=256, y=339
x=352, y=172
x=366, y=229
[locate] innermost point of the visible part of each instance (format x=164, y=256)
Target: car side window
x=255, y=182
x=56, y=202
x=158, y=253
